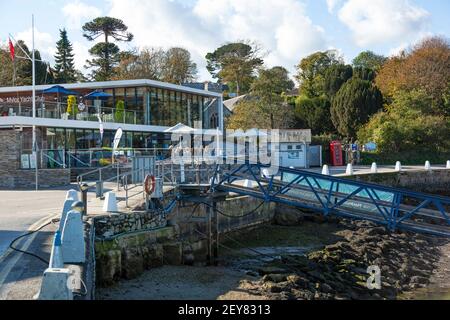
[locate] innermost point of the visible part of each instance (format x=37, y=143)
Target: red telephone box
x=336, y=153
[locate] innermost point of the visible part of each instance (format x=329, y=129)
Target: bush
x=120, y=111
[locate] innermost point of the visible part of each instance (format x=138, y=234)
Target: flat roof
x=116, y=84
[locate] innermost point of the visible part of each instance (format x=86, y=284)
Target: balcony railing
x=92, y=158
x=52, y=110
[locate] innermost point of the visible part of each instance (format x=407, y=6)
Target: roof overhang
x=116, y=84
x=75, y=124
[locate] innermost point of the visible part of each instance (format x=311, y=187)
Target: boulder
x=173, y=253
x=108, y=268
x=132, y=263
x=287, y=216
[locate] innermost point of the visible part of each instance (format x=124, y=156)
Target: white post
x=448, y=164
x=325, y=170
x=33, y=63
x=398, y=166
x=349, y=169
x=374, y=168
x=427, y=165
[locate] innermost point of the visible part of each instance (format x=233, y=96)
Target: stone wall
x=432, y=181
x=107, y=227
x=12, y=177
x=128, y=244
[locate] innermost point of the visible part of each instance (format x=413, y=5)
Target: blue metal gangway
x=393, y=208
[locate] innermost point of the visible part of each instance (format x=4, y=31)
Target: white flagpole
x=33, y=62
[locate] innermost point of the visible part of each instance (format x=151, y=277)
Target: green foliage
x=120, y=111
x=252, y=113
x=23, y=75
x=72, y=109
x=312, y=69
x=407, y=125
x=353, y=104
x=178, y=66
x=64, y=60
x=369, y=60
x=335, y=76
x=314, y=113
x=235, y=64
x=106, y=54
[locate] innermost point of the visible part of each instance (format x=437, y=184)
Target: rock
x=277, y=278
x=173, y=253
x=287, y=216
x=271, y=270
x=132, y=263
x=109, y=267
x=272, y=287
x=153, y=256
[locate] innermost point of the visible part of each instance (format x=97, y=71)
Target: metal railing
x=89, y=158
x=53, y=110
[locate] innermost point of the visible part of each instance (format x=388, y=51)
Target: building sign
x=17, y=100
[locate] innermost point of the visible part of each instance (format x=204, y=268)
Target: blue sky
x=288, y=30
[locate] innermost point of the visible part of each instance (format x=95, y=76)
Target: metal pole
x=33, y=63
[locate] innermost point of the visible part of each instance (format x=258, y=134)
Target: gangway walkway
x=393, y=208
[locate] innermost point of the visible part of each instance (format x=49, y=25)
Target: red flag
x=12, y=51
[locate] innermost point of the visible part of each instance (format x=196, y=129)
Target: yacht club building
x=68, y=121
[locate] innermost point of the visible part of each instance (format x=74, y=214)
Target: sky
x=287, y=30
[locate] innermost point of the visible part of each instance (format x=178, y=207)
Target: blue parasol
x=98, y=95
x=59, y=90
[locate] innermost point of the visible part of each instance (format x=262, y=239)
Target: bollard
x=56, y=256
x=398, y=166
x=110, y=204
x=84, y=191
x=448, y=164
x=325, y=170
x=54, y=285
x=349, y=170
x=67, y=207
x=72, y=195
x=427, y=165
x=72, y=239
x=374, y=168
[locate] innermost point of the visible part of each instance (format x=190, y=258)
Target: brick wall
x=12, y=177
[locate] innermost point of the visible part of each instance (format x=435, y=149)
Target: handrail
x=63, y=165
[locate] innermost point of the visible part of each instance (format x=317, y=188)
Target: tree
x=407, y=126
x=353, y=104
x=120, y=111
x=314, y=113
x=235, y=64
x=369, y=60
x=106, y=53
x=268, y=88
x=178, y=66
x=64, y=60
x=426, y=66
x=23, y=68
x=250, y=113
x=147, y=64
x=335, y=76
x=311, y=72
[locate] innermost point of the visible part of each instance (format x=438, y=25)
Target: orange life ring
x=150, y=184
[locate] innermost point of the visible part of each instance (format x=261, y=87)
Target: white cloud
x=81, y=53
x=43, y=42
x=383, y=21
x=332, y=4
x=78, y=12
x=280, y=26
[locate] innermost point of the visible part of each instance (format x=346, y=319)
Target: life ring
x=150, y=184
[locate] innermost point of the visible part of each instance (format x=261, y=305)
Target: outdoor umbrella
x=98, y=95
x=59, y=91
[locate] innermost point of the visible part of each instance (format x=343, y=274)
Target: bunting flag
x=12, y=50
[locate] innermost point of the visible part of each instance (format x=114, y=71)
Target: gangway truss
x=393, y=208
